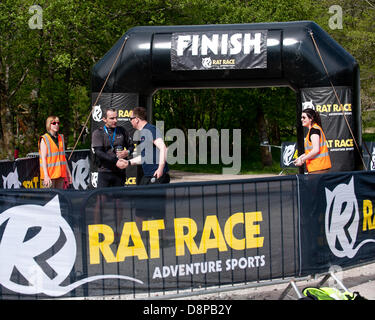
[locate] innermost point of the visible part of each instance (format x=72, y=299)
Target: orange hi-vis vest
x=56, y=160
x=322, y=160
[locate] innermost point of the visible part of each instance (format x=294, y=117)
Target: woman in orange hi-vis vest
x=316, y=154
x=54, y=167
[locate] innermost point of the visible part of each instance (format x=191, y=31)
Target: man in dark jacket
x=111, y=145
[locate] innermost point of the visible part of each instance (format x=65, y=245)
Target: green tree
x=45, y=71
x=17, y=49
x=357, y=36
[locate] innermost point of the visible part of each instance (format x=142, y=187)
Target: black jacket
x=104, y=145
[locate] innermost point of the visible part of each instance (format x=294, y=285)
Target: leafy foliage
x=47, y=71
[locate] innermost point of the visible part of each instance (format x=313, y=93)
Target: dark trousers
x=165, y=178
x=111, y=179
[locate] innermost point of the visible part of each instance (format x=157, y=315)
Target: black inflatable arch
x=291, y=59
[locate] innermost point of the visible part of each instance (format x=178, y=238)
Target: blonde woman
x=53, y=164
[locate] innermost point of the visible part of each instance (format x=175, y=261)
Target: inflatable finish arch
x=238, y=56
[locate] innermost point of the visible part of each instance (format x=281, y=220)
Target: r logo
x=30, y=231
x=342, y=220
x=206, y=62
x=97, y=113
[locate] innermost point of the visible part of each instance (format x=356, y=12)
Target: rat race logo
x=30, y=232
x=215, y=235
x=342, y=220
x=38, y=248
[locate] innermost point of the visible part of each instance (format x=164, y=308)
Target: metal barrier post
x=292, y=285
x=333, y=276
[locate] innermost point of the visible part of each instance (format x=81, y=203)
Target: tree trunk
x=7, y=129
x=7, y=145
x=265, y=152
x=275, y=133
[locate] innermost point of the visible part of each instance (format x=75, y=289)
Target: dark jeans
x=111, y=179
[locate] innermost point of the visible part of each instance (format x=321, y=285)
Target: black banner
x=337, y=221
x=139, y=240
x=145, y=239
x=219, y=50
x=122, y=102
x=340, y=141
x=25, y=172
x=22, y=173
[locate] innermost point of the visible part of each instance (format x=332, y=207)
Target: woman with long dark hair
x=316, y=154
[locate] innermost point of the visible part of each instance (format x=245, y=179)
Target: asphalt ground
x=181, y=176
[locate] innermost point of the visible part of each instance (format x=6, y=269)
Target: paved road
x=181, y=176
x=360, y=279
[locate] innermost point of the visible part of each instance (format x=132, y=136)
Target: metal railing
x=181, y=239
x=277, y=258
